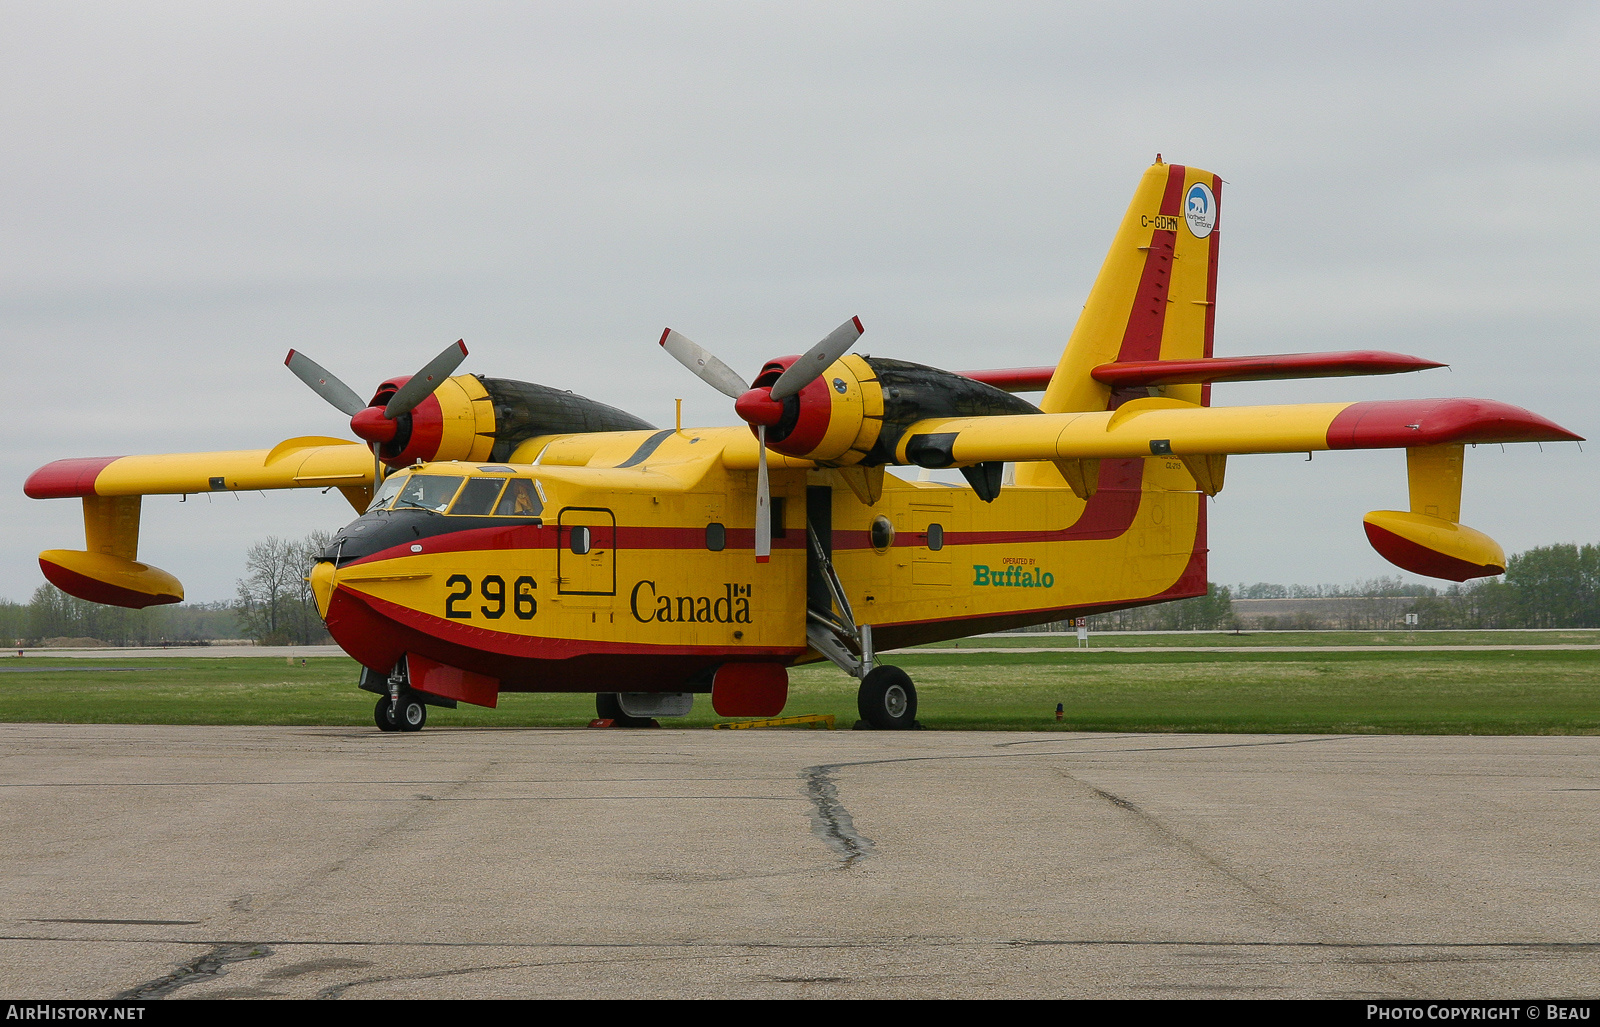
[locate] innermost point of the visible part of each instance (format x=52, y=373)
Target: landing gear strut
x=400, y=709
x=887, y=699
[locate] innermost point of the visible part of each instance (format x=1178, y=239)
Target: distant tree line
x=1545, y=587
x=52, y=616
x=273, y=606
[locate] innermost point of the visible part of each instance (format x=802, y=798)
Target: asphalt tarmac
x=195, y=862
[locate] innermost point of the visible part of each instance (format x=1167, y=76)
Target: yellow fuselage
x=669, y=588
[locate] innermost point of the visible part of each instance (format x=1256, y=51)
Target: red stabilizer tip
x=664, y=333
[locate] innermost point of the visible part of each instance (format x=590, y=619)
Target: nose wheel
x=887, y=699
x=409, y=714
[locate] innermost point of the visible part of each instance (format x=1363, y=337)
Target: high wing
x=112, y=487
x=1167, y=427
x=311, y=461
x=1426, y=539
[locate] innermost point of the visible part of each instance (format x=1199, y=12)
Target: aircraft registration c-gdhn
x=516, y=538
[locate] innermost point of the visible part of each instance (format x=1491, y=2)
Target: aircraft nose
x=322, y=586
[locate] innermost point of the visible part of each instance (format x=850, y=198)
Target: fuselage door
x=586, y=555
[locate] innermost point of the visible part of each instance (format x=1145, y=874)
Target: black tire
x=411, y=714
x=887, y=699
x=608, y=707
x=381, y=716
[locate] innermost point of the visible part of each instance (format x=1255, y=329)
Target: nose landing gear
x=408, y=714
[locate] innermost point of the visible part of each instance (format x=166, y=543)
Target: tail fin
x=1156, y=293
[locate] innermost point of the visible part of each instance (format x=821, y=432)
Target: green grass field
x=1491, y=692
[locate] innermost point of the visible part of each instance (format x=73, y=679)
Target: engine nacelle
x=478, y=419
x=857, y=410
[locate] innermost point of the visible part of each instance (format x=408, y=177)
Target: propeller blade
x=816, y=359
x=705, y=366
x=422, y=384
x=323, y=384
x=763, y=501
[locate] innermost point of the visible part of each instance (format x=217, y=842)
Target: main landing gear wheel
x=381, y=715
x=888, y=699
x=411, y=713
x=608, y=707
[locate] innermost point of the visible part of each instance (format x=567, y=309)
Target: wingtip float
x=516, y=537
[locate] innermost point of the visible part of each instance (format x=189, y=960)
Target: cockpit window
x=428, y=492
x=520, y=500
x=478, y=497
x=386, y=491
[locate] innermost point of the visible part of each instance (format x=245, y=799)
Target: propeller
x=371, y=423
x=816, y=360
x=422, y=384
x=763, y=406
x=324, y=384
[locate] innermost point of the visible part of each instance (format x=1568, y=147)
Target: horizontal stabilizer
x=1013, y=379
x=1271, y=367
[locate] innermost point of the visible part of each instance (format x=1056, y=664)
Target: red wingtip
x=463, y=344
x=664, y=333
x=66, y=479
x=859, y=330
x=288, y=358
x=1395, y=423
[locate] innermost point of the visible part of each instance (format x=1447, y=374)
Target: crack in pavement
x=830, y=820
x=899, y=940
x=1168, y=836
x=337, y=991
x=207, y=967
x=1165, y=835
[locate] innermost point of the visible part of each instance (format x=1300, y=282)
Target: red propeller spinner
x=762, y=406
x=380, y=423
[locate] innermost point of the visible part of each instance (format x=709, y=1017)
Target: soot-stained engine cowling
x=914, y=392
x=523, y=410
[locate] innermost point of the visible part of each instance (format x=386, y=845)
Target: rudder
x=1155, y=296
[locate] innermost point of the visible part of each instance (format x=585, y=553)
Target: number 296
x=493, y=591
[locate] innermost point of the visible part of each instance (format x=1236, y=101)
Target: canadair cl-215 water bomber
x=516, y=538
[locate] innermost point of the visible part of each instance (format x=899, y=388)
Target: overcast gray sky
x=190, y=190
